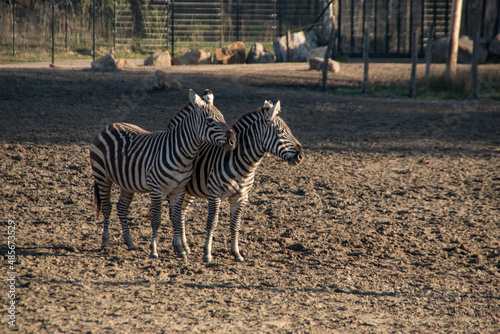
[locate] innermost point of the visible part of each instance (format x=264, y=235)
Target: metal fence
x=165, y=23
x=179, y=24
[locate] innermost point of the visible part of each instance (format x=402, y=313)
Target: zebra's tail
x=97, y=200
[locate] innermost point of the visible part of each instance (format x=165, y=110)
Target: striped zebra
x=220, y=174
x=160, y=163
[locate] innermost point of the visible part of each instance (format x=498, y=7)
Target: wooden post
x=414, y=55
x=456, y=16
x=428, y=51
x=365, y=60
x=328, y=53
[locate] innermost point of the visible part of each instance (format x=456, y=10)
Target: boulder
x=494, y=48
x=123, y=63
x=316, y=63
x=106, y=63
x=159, y=59
x=299, y=45
x=163, y=80
x=318, y=52
x=258, y=54
x=193, y=57
x=231, y=54
x=465, y=46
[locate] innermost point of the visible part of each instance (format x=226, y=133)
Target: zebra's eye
x=280, y=131
x=210, y=119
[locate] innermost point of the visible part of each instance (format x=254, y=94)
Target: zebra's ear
x=274, y=111
x=195, y=99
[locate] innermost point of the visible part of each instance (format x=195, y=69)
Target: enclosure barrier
x=175, y=24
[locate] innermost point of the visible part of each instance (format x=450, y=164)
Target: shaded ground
x=390, y=225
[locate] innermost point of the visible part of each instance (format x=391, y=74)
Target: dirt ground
x=390, y=225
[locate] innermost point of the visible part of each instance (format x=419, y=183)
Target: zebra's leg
x=156, y=200
x=179, y=242
x=212, y=221
x=237, y=204
x=103, y=191
x=185, y=206
x=122, y=208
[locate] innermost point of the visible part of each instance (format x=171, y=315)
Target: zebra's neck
x=249, y=146
x=185, y=142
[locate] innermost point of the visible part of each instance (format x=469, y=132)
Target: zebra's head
x=212, y=126
x=277, y=137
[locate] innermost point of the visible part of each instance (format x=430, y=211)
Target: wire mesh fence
x=90, y=26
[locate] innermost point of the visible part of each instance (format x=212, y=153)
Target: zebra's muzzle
x=230, y=140
x=298, y=157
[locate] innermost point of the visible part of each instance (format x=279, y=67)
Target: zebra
x=160, y=163
x=219, y=174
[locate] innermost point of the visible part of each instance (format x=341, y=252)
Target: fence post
x=274, y=20
x=14, y=27
x=238, y=7
x=93, y=30
x=477, y=16
x=172, y=13
x=428, y=52
x=66, y=25
x=414, y=54
x=365, y=60
x=221, y=19
x=280, y=31
x=475, y=52
x=288, y=38
x=114, y=25
x=328, y=53
x=53, y=29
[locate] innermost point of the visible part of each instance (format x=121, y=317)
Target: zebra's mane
x=183, y=112
x=248, y=115
x=180, y=115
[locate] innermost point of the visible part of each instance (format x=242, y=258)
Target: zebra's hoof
x=207, y=258
x=103, y=246
x=132, y=247
x=153, y=255
x=183, y=255
x=239, y=258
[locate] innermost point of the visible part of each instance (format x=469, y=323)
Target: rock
x=231, y=54
x=299, y=45
x=318, y=52
x=494, y=48
x=465, y=46
x=162, y=80
x=106, y=63
x=316, y=63
x=193, y=57
x=123, y=63
x=258, y=54
x=159, y=59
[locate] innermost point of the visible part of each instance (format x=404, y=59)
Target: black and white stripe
x=220, y=174
x=160, y=163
